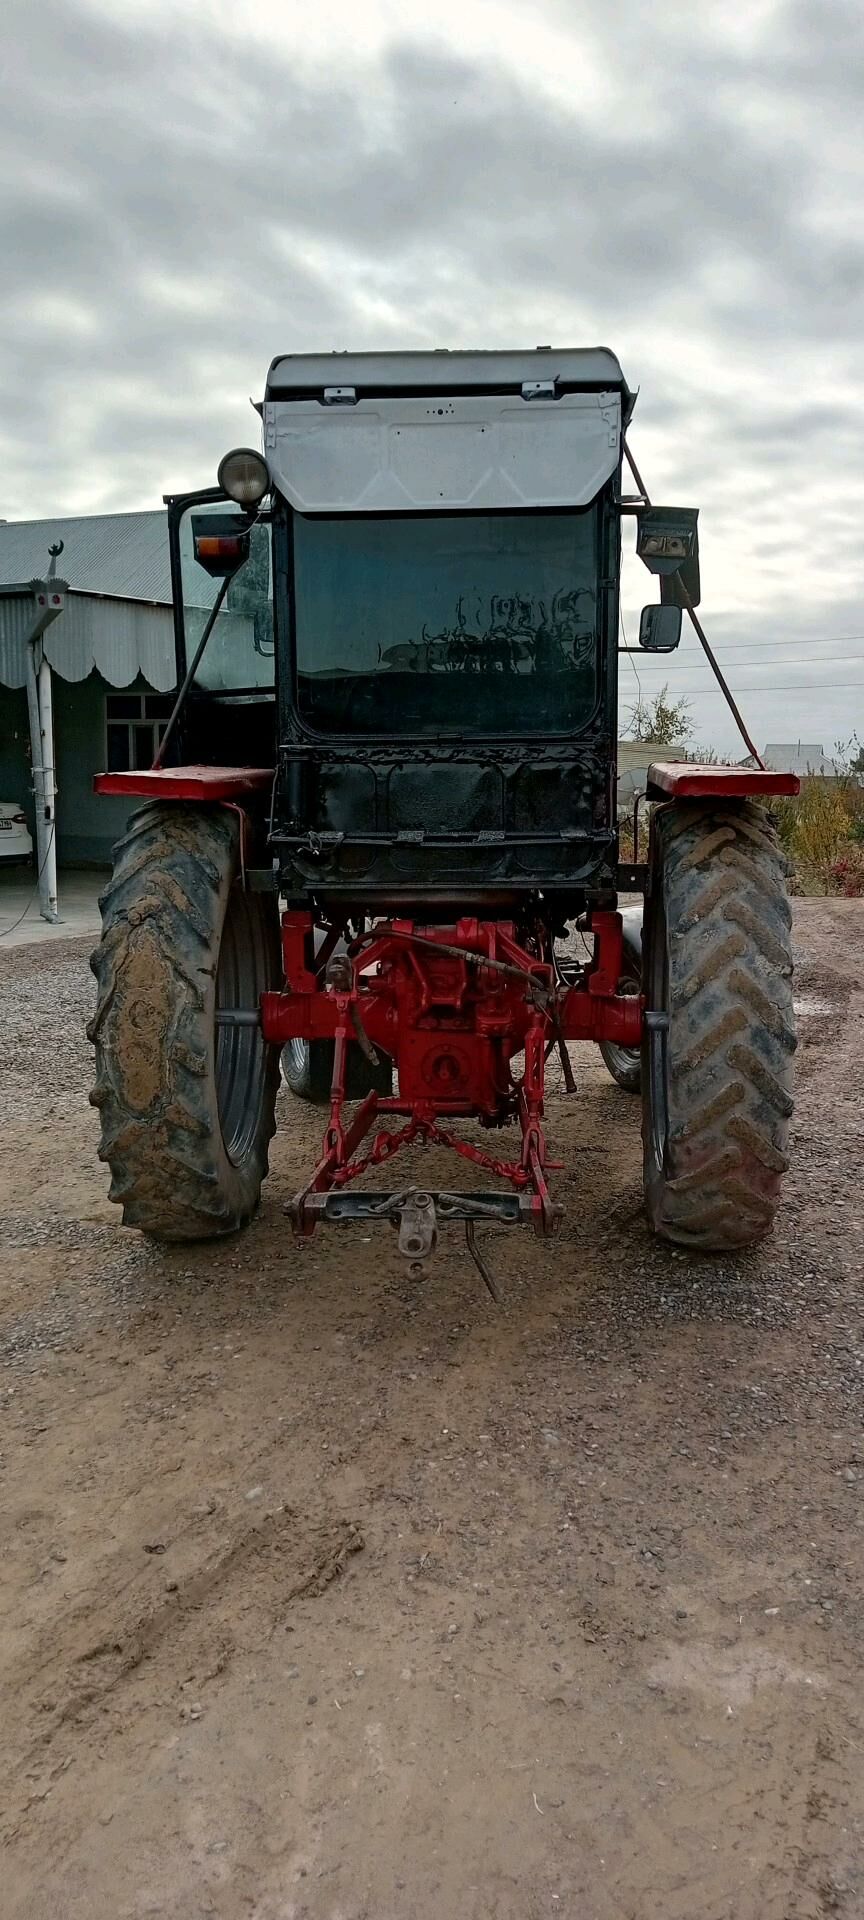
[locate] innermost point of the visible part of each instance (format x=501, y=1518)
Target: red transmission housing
x=451, y=1004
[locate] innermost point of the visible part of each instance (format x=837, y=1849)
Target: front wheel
x=719, y=1027
x=187, y=1102
x=625, y=1063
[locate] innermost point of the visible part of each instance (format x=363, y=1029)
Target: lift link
x=455, y=1007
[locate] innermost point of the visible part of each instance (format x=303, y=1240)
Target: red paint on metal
x=186, y=783
x=679, y=780
x=608, y=965
x=452, y=1006
x=617, y=1017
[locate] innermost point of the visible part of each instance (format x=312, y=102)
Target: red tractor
x=385, y=801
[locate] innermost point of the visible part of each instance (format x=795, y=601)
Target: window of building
x=134, y=726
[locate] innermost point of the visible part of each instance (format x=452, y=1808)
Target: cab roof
x=302, y=375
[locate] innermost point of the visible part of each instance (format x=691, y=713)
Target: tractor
x=377, y=855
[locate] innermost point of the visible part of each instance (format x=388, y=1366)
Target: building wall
x=88, y=823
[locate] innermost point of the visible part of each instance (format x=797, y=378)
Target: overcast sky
x=191, y=186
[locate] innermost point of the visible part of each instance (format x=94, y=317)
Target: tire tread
x=731, y=1032
x=162, y=913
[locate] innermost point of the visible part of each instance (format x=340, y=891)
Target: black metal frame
x=581, y=853
x=571, y=860
x=194, y=725
x=343, y=1205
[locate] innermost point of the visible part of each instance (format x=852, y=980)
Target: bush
x=823, y=833
x=848, y=873
x=625, y=839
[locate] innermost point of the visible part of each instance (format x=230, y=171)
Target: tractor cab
x=426, y=611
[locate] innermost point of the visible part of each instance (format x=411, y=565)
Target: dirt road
x=329, y=1593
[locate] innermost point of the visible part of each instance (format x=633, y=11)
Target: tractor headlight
x=244, y=476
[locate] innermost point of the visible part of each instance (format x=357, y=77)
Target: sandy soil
x=330, y=1593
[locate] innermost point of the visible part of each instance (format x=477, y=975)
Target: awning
x=118, y=638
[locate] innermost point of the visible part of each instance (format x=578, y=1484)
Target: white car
x=15, y=840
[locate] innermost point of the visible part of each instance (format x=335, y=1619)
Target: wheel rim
x=241, y=1052
x=298, y=1054
x=624, y=1059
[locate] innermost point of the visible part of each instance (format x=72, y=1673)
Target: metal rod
x=363, y=1040
x=191, y=671
x=700, y=632
x=718, y=675
x=480, y=1263
x=637, y=797
x=635, y=472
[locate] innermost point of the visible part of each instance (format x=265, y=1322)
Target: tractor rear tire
x=187, y=1106
x=717, y=1074
x=307, y=1069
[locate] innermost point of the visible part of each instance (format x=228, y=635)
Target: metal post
x=49, y=600
x=38, y=777
x=48, y=882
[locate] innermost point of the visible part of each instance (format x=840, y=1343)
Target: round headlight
x=244, y=476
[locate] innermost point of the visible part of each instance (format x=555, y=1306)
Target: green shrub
x=822, y=831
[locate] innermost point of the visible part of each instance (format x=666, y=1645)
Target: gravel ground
x=330, y=1593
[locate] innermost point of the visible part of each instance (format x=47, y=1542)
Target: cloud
x=192, y=189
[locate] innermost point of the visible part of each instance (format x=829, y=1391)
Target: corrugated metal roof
x=125, y=554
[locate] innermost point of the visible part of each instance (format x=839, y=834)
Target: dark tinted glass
x=143, y=747
x=123, y=706
x=118, y=748
x=482, y=623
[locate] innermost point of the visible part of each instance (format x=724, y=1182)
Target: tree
x=663, y=721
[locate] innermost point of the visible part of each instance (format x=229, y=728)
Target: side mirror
x=660, y=629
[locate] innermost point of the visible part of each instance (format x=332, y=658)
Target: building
x=112, y=660
x=634, y=759
x=797, y=756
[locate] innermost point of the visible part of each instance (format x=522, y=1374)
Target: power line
x=757, y=666
x=687, y=665
x=805, y=640
x=769, y=646
x=788, y=686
